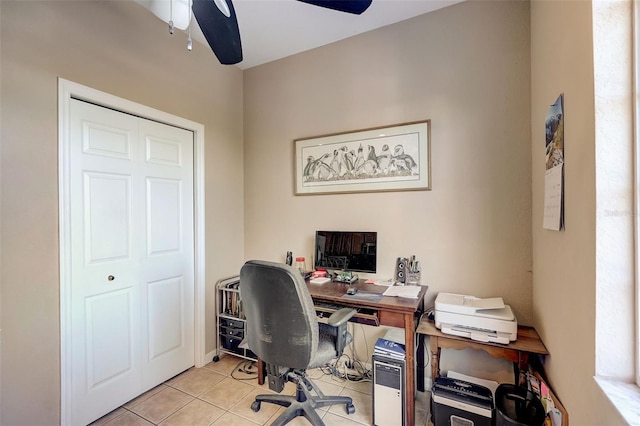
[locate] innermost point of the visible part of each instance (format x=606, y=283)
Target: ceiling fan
x=218, y=22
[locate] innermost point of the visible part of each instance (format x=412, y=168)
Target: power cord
x=347, y=368
x=430, y=313
x=247, y=367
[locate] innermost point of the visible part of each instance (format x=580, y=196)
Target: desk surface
x=333, y=292
x=528, y=339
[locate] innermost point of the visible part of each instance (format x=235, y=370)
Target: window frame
x=636, y=180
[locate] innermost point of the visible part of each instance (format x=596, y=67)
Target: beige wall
x=476, y=69
x=120, y=48
x=564, y=283
x=467, y=69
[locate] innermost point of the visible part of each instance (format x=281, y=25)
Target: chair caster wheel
x=255, y=406
x=216, y=358
x=351, y=409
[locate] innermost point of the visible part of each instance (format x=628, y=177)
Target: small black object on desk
x=352, y=290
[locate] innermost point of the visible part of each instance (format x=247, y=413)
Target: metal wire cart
x=231, y=320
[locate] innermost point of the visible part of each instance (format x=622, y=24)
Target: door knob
x=111, y=278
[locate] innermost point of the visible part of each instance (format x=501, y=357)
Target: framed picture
x=391, y=158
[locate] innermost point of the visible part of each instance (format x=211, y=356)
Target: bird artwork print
x=357, y=161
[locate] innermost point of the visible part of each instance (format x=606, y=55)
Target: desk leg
x=410, y=375
x=435, y=357
x=522, y=365
x=260, y=372
x=420, y=363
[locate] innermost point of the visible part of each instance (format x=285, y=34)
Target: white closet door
x=132, y=257
x=167, y=265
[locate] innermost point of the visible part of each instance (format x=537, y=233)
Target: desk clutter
x=231, y=321
x=463, y=400
x=410, y=292
x=389, y=348
x=473, y=401
x=408, y=271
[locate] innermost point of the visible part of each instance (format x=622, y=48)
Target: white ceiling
x=274, y=29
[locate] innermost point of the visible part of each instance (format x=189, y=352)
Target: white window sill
x=624, y=396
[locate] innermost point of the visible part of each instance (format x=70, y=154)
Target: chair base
x=304, y=403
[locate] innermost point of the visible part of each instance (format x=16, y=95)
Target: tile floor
x=211, y=396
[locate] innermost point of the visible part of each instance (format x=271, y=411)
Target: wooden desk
x=392, y=311
x=528, y=342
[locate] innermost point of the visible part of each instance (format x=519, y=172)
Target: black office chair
x=283, y=330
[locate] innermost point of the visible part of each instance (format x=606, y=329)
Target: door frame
x=66, y=91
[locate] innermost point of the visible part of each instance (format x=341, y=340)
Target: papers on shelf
x=542, y=390
x=389, y=348
x=408, y=291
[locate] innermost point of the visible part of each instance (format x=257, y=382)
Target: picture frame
x=388, y=158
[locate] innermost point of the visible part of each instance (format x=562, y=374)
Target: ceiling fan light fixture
x=189, y=41
x=170, y=16
x=176, y=11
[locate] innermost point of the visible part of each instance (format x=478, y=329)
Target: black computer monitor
x=346, y=251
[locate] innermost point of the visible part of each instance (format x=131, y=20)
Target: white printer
x=484, y=320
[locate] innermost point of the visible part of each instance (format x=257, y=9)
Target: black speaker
x=401, y=269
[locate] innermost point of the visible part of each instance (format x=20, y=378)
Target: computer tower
x=389, y=405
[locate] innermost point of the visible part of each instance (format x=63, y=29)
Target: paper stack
x=389, y=348
x=408, y=291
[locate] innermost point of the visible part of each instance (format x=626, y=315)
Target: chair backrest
x=282, y=328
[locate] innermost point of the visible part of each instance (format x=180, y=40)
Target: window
x=617, y=159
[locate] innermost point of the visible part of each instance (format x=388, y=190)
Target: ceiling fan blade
x=350, y=6
x=219, y=26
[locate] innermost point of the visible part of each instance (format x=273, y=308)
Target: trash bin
x=518, y=406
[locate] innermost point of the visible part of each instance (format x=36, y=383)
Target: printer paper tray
x=476, y=334
x=477, y=327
